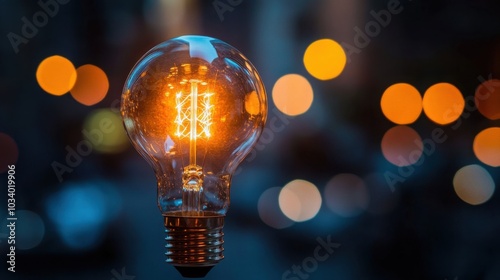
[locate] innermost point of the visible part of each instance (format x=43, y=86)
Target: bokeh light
x=104, y=130
x=78, y=214
x=300, y=200
x=81, y=210
x=325, y=59
x=401, y=103
x=443, y=103
x=402, y=146
x=473, y=184
x=8, y=151
x=487, y=99
x=30, y=229
x=56, y=75
x=486, y=146
x=292, y=94
x=91, y=86
x=346, y=195
x=269, y=209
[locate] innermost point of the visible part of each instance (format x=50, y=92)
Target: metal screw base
x=194, y=243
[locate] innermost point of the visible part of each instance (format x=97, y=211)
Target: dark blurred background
x=99, y=219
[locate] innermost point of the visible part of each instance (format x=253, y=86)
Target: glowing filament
x=194, y=116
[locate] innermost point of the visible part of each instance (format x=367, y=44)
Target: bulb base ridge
x=194, y=243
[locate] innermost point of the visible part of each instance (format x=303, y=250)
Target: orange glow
x=443, y=103
x=401, y=103
x=300, y=200
x=487, y=99
x=252, y=103
x=402, y=146
x=292, y=94
x=487, y=146
x=56, y=75
x=8, y=151
x=325, y=59
x=473, y=184
x=91, y=86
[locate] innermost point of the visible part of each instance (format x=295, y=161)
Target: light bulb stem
x=193, y=122
x=192, y=189
x=194, y=241
x=191, y=200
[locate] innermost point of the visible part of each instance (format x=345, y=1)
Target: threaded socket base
x=194, y=241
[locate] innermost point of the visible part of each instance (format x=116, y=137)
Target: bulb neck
x=194, y=242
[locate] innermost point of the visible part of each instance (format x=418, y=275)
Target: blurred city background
x=389, y=153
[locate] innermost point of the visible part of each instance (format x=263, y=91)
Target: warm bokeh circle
x=325, y=59
x=401, y=103
x=443, y=103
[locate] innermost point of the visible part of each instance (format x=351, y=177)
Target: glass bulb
x=193, y=107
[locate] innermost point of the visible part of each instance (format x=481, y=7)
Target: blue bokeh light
x=80, y=212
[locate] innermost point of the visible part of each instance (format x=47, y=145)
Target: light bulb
x=193, y=107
